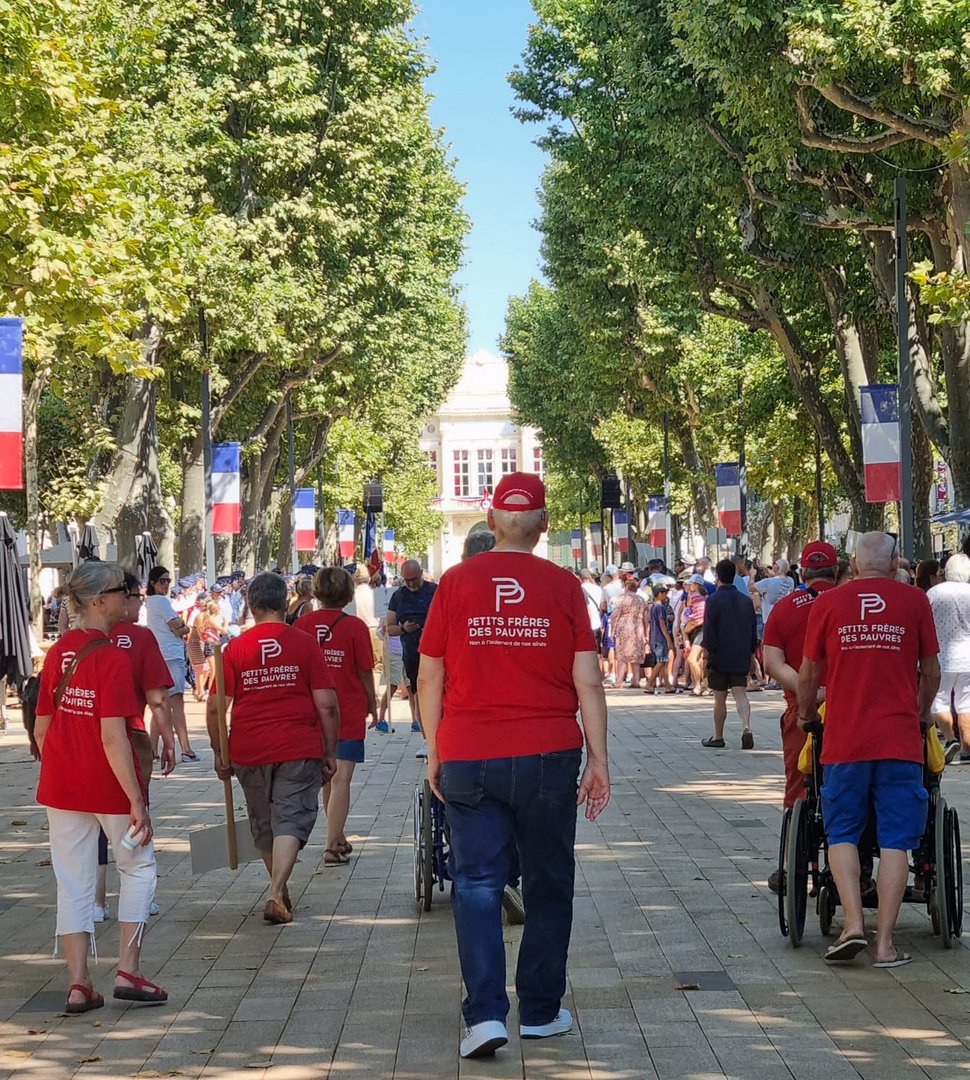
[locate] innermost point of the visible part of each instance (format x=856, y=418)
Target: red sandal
x=142, y=990
x=92, y=999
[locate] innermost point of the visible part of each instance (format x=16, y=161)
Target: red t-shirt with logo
x=785, y=629
x=346, y=645
x=508, y=625
x=871, y=634
x=74, y=771
x=148, y=668
x=271, y=672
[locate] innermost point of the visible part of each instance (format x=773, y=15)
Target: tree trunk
x=923, y=479
x=701, y=474
x=257, y=482
x=34, y=524
x=133, y=501
x=191, y=546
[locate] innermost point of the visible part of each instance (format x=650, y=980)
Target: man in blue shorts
x=876, y=640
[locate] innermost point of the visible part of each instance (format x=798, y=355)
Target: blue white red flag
x=11, y=405
x=304, y=520
x=657, y=520
x=880, y=443
x=388, y=545
x=577, y=543
x=727, y=480
x=226, y=515
x=345, y=532
x=596, y=538
x=621, y=531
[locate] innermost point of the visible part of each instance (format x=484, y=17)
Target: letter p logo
x=870, y=603
x=269, y=649
x=507, y=591
x=123, y=641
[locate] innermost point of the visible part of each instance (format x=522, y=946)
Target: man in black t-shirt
x=730, y=640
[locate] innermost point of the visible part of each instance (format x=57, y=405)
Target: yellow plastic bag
x=935, y=761
x=805, y=754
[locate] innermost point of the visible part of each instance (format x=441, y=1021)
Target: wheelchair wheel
x=796, y=873
x=782, y=844
x=427, y=846
x=418, y=859
x=948, y=891
x=826, y=908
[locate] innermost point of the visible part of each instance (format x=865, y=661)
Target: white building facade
x=471, y=443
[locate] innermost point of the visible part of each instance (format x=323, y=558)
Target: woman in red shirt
x=282, y=734
x=88, y=781
x=346, y=644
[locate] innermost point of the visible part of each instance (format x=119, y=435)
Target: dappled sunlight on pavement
x=677, y=968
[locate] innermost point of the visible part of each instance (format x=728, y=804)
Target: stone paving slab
x=670, y=892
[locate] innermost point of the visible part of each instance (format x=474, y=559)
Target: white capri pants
x=74, y=855
x=955, y=687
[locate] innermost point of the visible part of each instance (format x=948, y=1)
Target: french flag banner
x=226, y=515
x=11, y=405
x=388, y=545
x=657, y=520
x=880, y=443
x=577, y=543
x=304, y=520
x=345, y=532
x=621, y=530
x=727, y=479
x=596, y=538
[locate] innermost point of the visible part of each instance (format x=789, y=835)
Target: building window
x=462, y=486
x=510, y=460
x=485, y=471
x=538, y=465
x=431, y=457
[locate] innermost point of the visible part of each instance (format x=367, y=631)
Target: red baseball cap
x=520, y=491
x=818, y=556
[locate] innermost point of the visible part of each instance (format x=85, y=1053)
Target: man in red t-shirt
x=783, y=640
x=507, y=657
x=282, y=735
x=876, y=640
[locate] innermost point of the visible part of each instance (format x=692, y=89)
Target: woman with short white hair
x=88, y=780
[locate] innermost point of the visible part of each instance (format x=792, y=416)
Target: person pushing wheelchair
x=876, y=640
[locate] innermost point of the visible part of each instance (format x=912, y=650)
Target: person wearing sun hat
x=507, y=658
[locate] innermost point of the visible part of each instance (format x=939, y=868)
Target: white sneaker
x=422, y=750
x=100, y=913
x=153, y=908
x=483, y=1039
x=562, y=1024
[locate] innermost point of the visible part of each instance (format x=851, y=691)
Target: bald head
x=518, y=529
x=875, y=554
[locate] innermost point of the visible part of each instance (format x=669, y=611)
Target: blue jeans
x=493, y=807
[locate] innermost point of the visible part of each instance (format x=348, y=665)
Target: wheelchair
x=936, y=865
x=430, y=845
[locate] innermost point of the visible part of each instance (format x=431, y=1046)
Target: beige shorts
x=955, y=687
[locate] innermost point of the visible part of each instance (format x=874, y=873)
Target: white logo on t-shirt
x=870, y=602
x=123, y=641
x=269, y=649
x=507, y=591
x=324, y=634
x=66, y=660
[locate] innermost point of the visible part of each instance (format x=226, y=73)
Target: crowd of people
x=506, y=662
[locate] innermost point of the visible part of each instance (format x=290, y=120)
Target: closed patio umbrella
x=146, y=554
x=15, y=661
x=87, y=546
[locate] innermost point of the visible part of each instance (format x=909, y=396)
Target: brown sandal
x=333, y=857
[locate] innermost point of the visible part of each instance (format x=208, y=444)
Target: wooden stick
x=224, y=754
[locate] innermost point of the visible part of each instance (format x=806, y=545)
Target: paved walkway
x=670, y=894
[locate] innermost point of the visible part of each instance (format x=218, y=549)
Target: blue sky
x=474, y=46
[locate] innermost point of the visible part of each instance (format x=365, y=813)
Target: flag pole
x=905, y=378
x=209, y=539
